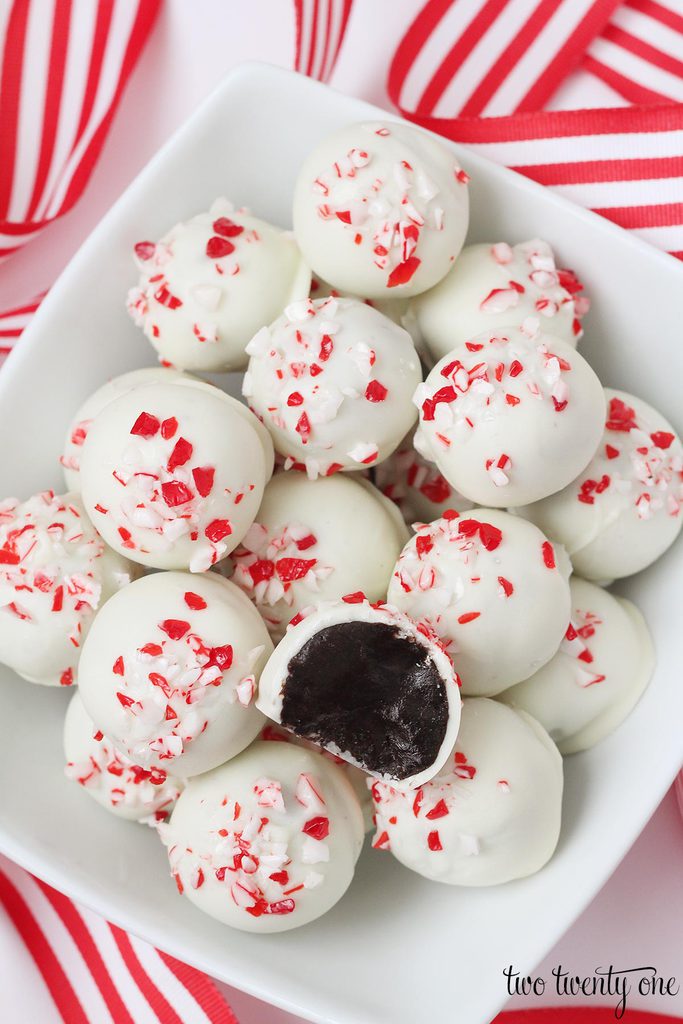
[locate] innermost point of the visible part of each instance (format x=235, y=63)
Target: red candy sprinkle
x=290, y=569
x=181, y=454
x=227, y=228
x=194, y=601
x=169, y=427
x=176, y=493
x=296, y=398
x=403, y=272
x=439, y=810
x=445, y=394
x=468, y=617
x=306, y=542
x=434, y=842
x=303, y=428
x=423, y=545
x=375, y=392
x=217, y=247
x=67, y=677
x=662, y=439
x=548, y=554
x=203, y=479
x=146, y=425
x=356, y=598
x=221, y=656
x=118, y=667
x=506, y=585
x=620, y=417
x=217, y=530
x=515, y=368
x=144, y=250
x=174, y=628
x=124, y=701
x=611, y=452
x=326, y=348
x=317, y=828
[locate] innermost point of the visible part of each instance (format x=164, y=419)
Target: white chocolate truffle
x=316, y=541
x=370, y=685
x=493, y=812
x=360, y=780
x=55, y=572
x=598, y=675
x=421, y=492
x=510, y=418
x=109, y=777
x=267, y=842
x=70, y=459
x=173, y=474
x=211, y=283
x=496, y=592
x=332, y=380
x=625, y=509
x=494, y=287
x=171, y=669
x=381, y=210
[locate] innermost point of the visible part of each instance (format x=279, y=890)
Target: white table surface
x=637, y=918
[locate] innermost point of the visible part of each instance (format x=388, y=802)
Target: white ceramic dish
x=397, y=948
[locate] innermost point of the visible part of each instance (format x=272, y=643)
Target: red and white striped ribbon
x=320, y=29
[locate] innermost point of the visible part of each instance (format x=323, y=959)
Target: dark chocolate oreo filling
x=372, y=691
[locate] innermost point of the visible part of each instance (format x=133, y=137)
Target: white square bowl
x=397, y=948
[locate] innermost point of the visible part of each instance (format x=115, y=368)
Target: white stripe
x=79, y=50
x=31, y=108
x=137, y=1005
x=582, y=90
x=306, y=30
x=436, y=46
x=14, y=241
x=574, y=148
x=316, y=69
x=25, y=996
x=59, y=939
x=182, y=1001
x=123, y=18
x=11, y=323
x=482, y=57
x=649, y=30
x=669, y=239
x=536, y=57
x=598, y=195
x=636, y=69
x=336, y=15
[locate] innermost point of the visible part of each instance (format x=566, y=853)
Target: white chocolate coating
x=625, y=509
x=211, y=283
x=315, y=541
x=491, y=815
x=381, y=210
x=416, y=486
x=332, y=380
x=109, y=777
x=55, y=572
x=598, y=675
x=354, y=608
x=496, y=592
x=70, y=459
x=511, y=417
x=171, y=669
x=492, y=287
x=179, y=470
x=267, y=842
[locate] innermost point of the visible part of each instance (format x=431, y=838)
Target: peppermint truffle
x=267, y=842
x=70, y=458
x=211, y=283
x=315, y=541
x=495, y=591
x=109, y=777
x=624, y=510
x=368, y=684
x=494, y=287
x=510, y=417
x=598, y=675
x=421, y=492
x=492, y=813
x=170, y=670
x=381, y=210
x=173, y=474
x=55, y=573
x=332, y=380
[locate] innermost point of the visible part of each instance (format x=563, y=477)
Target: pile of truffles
x=377, y=590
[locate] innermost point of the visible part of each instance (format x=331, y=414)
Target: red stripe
x=411, y=44
x=105, y=10
x=677, y=254
x=457, y=54
x=644, y=50
x=30, y=307
x=146, y=15
x=10, y=90
x=55, y=979
x=313, y=38
x=298, y=18
x=568, y=58
x=90, y=953
x=661, y=215
x=9, y=227
x=326, y=46
x=53, y=99
x=631, y=90
x=588, y=171
x=15, y=332
x=157, y=1001
x=658, y=12
x=202, y=990
x=499, y=71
